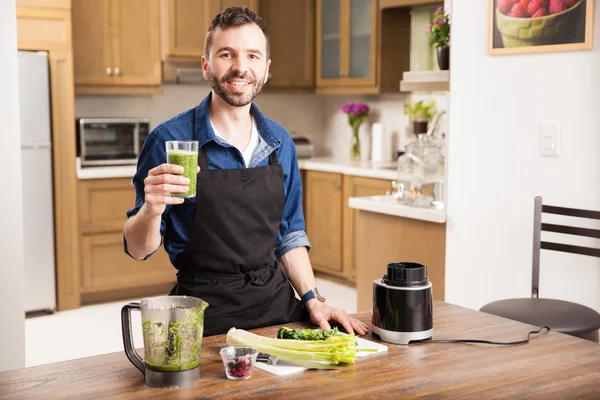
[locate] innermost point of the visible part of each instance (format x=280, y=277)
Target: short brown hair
x=234, y=17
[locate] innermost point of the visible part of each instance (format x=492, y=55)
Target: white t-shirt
x=252, y=143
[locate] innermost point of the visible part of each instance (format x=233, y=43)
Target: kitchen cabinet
x=291, y=26
x=385, y=239
x=324, y=220
x=107, y=273
x=330, y=223
x=405, y=3
x=116, y=46
x=356, y=186
x=184, y=24
x=360, y=48
x=56, y=4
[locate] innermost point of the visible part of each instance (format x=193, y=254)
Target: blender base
x=176, y=379
x=401, y=337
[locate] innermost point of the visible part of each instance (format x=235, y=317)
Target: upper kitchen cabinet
x=291, y=26
x=184, y=24
x=360, y=48
x=405, y=3
x=116, y=46
x=55, y=4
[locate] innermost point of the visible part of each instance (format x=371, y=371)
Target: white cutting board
x=282, y=370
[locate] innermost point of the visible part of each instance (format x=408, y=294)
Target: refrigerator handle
x=36, y=146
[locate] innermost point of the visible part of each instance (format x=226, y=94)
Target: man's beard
x=233, y=98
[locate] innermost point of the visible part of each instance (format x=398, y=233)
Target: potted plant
x=420, y=114
x=439, y=37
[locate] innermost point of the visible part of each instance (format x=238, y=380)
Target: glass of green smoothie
x=184, y=153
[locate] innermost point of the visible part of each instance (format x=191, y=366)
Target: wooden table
x=551, y=365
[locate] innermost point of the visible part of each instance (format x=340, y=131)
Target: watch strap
x=306, y=297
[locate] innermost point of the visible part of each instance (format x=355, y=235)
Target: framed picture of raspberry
x=536, y=26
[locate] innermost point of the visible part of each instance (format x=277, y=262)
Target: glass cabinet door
x=361, y=30
x=330, y=39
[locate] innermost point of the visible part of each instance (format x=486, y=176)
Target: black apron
x=229, y=259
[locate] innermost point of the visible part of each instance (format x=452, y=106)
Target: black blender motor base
x=178, y=379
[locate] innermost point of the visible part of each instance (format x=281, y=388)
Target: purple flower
x=439, y=10
x=441, y=22
x=355, y=109
x=428, y=30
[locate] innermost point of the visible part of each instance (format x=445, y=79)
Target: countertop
x=326, y=164
x=550, y=365
x=117, y=171
x=349, y=167
x=390, y=206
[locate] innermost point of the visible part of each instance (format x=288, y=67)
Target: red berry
x=517, y=11
x=524, y=4
x=535, y=5
x=540, y=13
x=556, y=6
x=504, y=6
x=570, y=3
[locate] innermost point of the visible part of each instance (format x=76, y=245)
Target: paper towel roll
x=381, y=145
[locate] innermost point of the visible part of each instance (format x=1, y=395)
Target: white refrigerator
x=38, y=200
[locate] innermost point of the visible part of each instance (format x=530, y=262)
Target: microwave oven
x=110, y=141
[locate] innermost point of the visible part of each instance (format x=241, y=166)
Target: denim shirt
x=178, y=220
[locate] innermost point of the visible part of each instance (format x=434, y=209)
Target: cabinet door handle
x=117, y=71
x=338, y=186
x=108, y=71
x=342, y=73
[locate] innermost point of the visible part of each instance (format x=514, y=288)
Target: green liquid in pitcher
x=189, y=161
x=174, y=346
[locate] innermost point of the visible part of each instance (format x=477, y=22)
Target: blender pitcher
x=172, y=327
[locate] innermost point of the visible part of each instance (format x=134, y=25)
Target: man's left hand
x=321, y=314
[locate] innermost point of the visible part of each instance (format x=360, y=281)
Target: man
x=247, y=212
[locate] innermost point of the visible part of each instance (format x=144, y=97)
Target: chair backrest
x=538, y=244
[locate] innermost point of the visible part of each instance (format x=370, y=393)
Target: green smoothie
x=174, y=345
x=189, y=161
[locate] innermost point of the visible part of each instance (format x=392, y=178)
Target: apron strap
x=273, y=160
x=202, y=159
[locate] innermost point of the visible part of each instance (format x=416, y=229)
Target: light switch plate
x=549, y=139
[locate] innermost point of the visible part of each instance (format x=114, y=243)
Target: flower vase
x=355, y=149
x=443, y=57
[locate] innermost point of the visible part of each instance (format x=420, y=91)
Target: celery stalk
x=335, y=349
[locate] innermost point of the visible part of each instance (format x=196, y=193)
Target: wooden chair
x=561, y=316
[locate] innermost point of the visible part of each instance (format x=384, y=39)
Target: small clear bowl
x=239, y=362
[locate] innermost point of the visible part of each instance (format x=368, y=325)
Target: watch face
x=320, y=293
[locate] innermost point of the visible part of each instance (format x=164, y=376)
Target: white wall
x=495, y=170
x=12, y=311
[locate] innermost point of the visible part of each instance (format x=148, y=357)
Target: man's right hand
x=160, y=183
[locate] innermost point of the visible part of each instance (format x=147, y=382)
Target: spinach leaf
x=306, y=334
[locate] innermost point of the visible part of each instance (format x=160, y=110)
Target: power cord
x=484, y=341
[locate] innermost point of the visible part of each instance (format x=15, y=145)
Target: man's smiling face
x=238, y=63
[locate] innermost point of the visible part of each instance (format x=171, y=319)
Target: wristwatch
x=316, y=293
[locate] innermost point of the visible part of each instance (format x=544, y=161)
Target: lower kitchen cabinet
x=323, y=214
x=383, y=239
x=356, y=186
x=107, y=273
x=106, y=267
x=330, y=225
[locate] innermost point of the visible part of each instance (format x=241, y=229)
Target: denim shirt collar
x=204, y=133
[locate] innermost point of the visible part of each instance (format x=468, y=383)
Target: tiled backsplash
x=315, y=115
